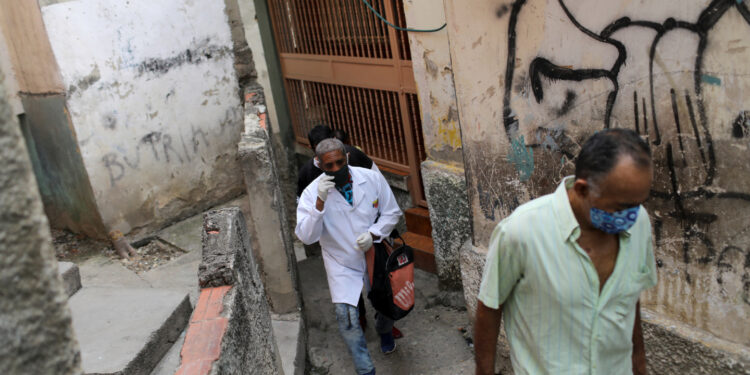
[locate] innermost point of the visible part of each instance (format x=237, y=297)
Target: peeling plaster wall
x=153, y=96
x=549, y=73
x=443, y=175
x=433, y=74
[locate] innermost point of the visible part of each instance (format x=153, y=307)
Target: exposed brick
x=210, y=303
x=203, y=340
x=200, y=307
x=215, y=302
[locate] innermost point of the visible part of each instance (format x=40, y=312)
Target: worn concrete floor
x=181, y=275
x=433, y=341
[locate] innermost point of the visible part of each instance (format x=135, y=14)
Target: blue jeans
x=347, y=317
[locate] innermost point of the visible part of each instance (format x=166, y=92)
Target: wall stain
x=502, y=10
x=522, y=158
x=711, y=80
x=448, y=129
x=86, y=82
x=110, y=121
x=478, y=42
x=201, y=52
x=430, y=65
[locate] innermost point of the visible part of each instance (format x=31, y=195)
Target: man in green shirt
x=565, y=270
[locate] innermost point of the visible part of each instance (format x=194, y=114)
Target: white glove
x=324, y=184
x=364, y=241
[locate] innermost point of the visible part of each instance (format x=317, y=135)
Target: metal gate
x=344, y=67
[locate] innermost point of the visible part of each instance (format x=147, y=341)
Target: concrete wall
x=35, y=328
x=535, y=78
x=230, y=331
x=443, y=173
x=153, y=95
x=267, y=223
x=258, y=32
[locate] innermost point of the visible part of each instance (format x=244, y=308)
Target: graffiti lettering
x=160, y=146
x=116, y=169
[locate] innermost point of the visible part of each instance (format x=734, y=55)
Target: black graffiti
x=724, y=265
x=196, y=141
x=201, y=51
x=510, y=122
x=152, y=139
x=163, y=148
x=115, y=168
x=741, y=125
x=167, y=143
x=692, y=128
x=568, y=103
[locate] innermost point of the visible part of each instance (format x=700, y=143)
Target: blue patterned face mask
x=616, y=222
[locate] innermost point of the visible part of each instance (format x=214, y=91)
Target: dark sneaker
x=387, y=343
x=370, y=373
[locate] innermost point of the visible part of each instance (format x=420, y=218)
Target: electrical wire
x=402, y=28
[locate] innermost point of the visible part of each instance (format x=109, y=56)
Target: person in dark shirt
x=309, y=172
x=341, y=135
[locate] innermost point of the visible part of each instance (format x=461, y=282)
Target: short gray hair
x=328, y=145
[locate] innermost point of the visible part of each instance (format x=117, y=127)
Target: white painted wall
x=152, y=94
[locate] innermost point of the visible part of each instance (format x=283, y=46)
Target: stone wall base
x=445, y=190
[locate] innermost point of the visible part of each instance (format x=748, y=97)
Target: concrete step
x=127, y=331
x=289, y=331
x=424, y=251
x=171, y=361
x=71, y=277
x=418, y=221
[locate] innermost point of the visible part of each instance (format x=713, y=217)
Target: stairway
x=122, y=329
x=419, y=236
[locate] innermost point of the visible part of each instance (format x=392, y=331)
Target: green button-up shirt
x=556, y=320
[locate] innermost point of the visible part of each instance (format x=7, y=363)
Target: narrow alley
x=198, y=187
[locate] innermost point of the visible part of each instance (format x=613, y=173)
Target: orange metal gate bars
x=344, y=67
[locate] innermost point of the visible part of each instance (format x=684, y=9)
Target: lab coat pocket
x=369, y=207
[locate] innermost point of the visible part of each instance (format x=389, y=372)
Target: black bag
x=391, y=272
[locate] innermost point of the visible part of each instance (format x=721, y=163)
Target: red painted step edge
x=202, y=345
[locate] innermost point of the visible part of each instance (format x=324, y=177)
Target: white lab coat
x=339, y=224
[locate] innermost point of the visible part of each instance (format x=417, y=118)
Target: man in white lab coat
x=347, y=209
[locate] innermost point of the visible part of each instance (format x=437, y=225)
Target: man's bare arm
x=486, y=329
x=639, y=349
